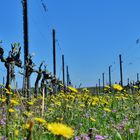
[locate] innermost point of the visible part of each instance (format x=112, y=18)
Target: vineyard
x=52, y=107
x=54, y=110
x=71, y=115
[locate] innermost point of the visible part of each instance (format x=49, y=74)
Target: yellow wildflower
x=2, y=100
x=94, y=103
x=30, y=103
x=96, y=99
x=85, y=90
x=28, y=113
x=117, y=87
x=58, y=103
x=26, y=126
x=11, y=110
x=40, y=120
x=92, y=119
x=82, y=105
x=72, y=89
x=16, y=132
x=60, y=129
x=107, y=109
x=8, y=92
x=13, y=102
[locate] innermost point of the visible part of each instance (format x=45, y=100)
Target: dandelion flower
x=13, y=102
x=60, y=129
x=2, y=100
x=85, y=90
x=117, y=87
x=26, y=126
x=11, y=110
x=107, y=109
x=9, y=92
x=92, y=119
x=40, y=120
x=72, y=89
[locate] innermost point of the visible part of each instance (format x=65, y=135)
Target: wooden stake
x=54, y=53
x=43, y=102
x=121, y=74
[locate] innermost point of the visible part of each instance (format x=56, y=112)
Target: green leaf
x=118, y=136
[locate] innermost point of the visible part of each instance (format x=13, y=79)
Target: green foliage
x=114, y=116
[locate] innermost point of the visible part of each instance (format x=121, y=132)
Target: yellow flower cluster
x=72, y=89
x=8, y=90
x=107, y=109
x=60, y=129
x=11, y=110
x=117, y=87
x=14, y=102
x=3, y=99
x=85, y=90
x=40, y=120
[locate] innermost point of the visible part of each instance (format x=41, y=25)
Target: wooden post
x=103, y=77
x=121, y=74
x=3, y=82
x=63, y=71
x=110, y=76
x=67, y=76
x=96, y=89
x=54, y=53
x=137, y=77
x=99, y=85
x=26, y=47
x=43, y=103
x=8, y=81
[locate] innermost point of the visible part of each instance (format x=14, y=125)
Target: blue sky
x=90, y=33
